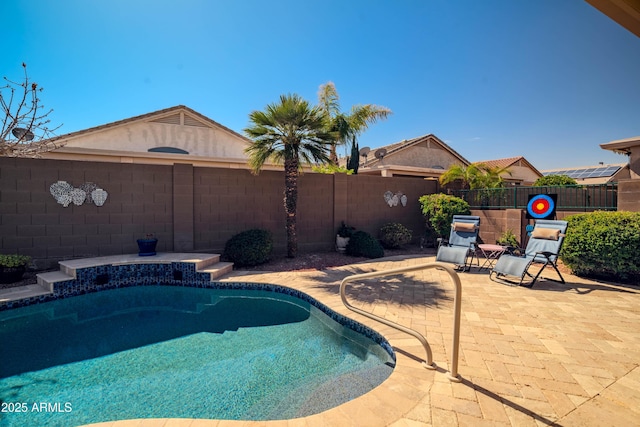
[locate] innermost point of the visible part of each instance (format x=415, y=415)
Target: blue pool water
x=179, y=352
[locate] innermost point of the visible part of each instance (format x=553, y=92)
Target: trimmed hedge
x=603, y=245
x=249, y=248
x=393, y=235
x=363, y=244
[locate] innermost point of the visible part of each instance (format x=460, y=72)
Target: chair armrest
x=442, y=241
x=515, y=250
x=546, y=254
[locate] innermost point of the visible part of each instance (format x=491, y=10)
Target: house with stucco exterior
x=173, y=135
x=426, y=156
x=520, y=171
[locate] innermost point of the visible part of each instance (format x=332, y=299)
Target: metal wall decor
x=65, y=194
x=394, y=199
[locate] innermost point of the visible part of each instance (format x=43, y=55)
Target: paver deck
x=557, y=354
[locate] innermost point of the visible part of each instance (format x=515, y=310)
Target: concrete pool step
x=204, y=263
x=217, y=270
x=22, y=292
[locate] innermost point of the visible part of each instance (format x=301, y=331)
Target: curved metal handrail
x=453, y=376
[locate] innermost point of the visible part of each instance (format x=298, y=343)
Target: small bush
x=345, y=230
x=14, y=260
x=603, y=245
x=439, y=210
x=508, y=238
x=249, y=248
x=394, y=235
x=363, y=244
x=554, y=180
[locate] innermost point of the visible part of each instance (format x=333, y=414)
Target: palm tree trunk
x=290, y=203
x=333, y=155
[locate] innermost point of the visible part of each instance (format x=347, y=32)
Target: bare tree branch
x=25, y=128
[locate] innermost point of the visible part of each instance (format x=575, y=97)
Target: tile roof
x=159, y=113
x=398, y=146
x=507, y=162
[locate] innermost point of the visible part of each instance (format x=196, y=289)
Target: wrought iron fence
x=575, y=198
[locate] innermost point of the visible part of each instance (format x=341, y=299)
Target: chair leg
x=555, y=267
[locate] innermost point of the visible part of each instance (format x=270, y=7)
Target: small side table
x=490, y=253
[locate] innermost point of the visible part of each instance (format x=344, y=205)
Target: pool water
x=179, y=352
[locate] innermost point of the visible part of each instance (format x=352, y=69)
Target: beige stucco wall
x=634, y=162
x=426, y=155
x=522, y=173
x=202, y=140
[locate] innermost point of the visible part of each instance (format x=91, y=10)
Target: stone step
x=22, y=292
x=200, y=260
x=47, y=280
x=217, y=270
x=204, y=263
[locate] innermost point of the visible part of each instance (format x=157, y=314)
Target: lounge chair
x=543, y=248
x=460, y=249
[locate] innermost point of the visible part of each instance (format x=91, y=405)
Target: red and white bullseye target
x=541, y=206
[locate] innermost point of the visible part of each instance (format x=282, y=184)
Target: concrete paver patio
x=557, y=354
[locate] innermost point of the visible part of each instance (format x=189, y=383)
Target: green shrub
x=439, y=210
x=14, y=260
x=331, y=169
x=249, y=248
x=363, y=244
x=394, y=235
x=554, y=180
x=603, y=245
x=345, y=230
x=508, y=238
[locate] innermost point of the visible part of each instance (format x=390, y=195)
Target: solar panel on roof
x=594, y=172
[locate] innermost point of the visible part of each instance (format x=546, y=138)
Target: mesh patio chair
x=460, y=248
x=542, y=249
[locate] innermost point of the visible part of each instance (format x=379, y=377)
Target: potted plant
x=13, y=267
x=147, y=246
x=342, y=238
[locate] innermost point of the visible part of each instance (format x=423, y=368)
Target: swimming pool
x=172, y=352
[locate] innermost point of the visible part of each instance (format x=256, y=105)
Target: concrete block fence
x=187, y=208
x=197, y=209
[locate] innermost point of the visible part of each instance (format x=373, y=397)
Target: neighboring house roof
x=425, y=156
x=510, y=162
x=170, y=116
x=176, y=134
x=599, y=174
x=630, y=147
x=398, y=147
x=521, y=170
x=622, y=146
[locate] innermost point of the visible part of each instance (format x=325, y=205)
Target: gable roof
x=408, y=143
x=508, y=162
x=169, y=115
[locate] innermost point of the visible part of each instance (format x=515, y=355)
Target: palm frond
x=328, y=99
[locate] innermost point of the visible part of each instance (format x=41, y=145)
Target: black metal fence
x=579, y=197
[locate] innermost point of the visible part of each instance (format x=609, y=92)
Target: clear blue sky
x=546, y=79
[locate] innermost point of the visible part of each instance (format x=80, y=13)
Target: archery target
x=541, y=206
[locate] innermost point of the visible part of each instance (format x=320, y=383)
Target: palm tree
x=347, y=126
x=469, y=175
x=291, y=132
x=475, y=176
x=493, y=175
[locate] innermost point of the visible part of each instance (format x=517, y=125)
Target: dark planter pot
x=147, y=247
x=11, y=274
